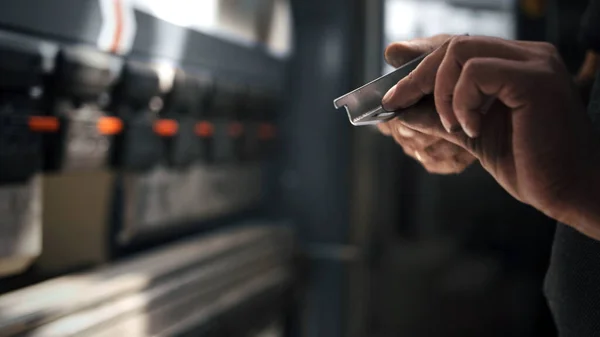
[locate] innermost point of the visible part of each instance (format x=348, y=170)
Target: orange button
x=43, y=124
x=205, y=129
x=166, y=127
x=236, y=129
x=266, y=131
x=109, y=126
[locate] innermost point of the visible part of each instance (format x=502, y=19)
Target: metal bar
x=57, y=298
x=364, y=104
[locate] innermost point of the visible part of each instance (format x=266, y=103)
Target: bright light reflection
x=199, y=14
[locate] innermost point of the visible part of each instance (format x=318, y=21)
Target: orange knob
x=205, y=129
x=266, y=131
x=109, y=126
x=43, y=124
x=236, y=129
x=166, y=127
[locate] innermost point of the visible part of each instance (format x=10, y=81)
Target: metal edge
x=339, y=101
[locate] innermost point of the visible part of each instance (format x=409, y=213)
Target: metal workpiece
x=164, y=292
x=364, y=104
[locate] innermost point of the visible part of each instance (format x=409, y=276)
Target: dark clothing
x=573, y=280
x=573, y=284
x=590, y=26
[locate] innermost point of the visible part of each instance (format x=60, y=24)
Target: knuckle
x=444, y=100
x=548, y=53
x=432, y=151
x=545, y=73
x=458, y=43
x=547, y=48
x=418, y=82
x=471, y=67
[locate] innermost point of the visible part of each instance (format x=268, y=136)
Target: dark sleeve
x=573, y=280
x=590, y=26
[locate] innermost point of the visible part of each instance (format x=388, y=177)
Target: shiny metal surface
x=177, y=303
x=364, y=104
x=151, y=287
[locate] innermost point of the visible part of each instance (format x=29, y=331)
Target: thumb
x=399, y=53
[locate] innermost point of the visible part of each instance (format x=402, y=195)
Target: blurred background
x=177, y=168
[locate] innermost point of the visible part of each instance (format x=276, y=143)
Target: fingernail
x=418, y=156
x=450, y=128
x=405, y=132
x=472, y=126
x=388, y=96
x=470, y=131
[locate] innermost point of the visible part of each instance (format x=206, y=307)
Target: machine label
x=165, y=197
x=85, y=148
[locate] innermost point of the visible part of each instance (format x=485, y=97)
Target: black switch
x=21, y=88
x=227, y=127
x=136, y=101
x=205, y=128
x=267, y=131
x=79, y=90
x=254, y=120
x=83, y=74
x=184, y=105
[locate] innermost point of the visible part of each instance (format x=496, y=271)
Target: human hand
x=436, y=154
x=587, y=74
x=514, y=107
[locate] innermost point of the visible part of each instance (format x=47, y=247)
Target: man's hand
x=514, y=107
x=436, y=154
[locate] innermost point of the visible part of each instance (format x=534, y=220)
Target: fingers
x=410, y=139
x=424, y=118
x=443, y=157
x=385, y=128
x=459, y=51
x=439, y=72
x=400, y=53
x=435, y=154
x=418, y=84
x=483, y=78
x=423, y=114
x=443, y=150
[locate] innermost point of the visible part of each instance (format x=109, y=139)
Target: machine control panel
x=79, y=93
x=21, y=123
x=137, y=101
